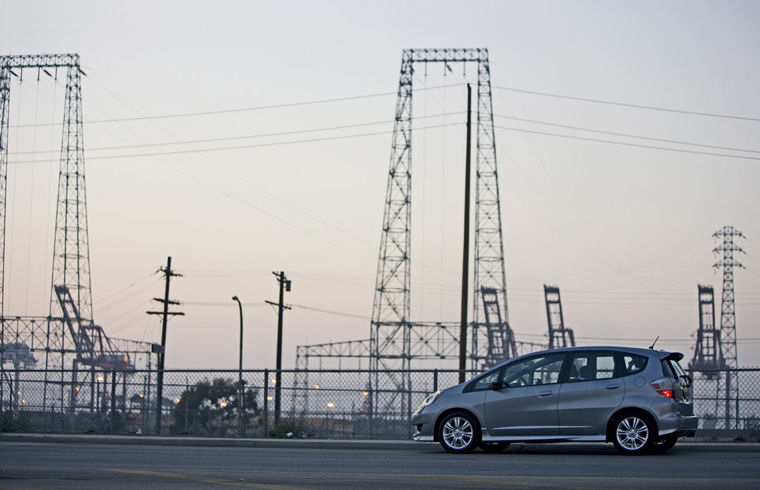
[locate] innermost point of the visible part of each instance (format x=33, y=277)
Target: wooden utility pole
x=284, y=286
x=466, y=247
x=165, y=313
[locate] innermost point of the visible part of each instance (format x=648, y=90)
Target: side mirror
x=497, y=385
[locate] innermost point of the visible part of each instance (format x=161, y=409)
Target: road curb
x=213, y=441
x=319, y=443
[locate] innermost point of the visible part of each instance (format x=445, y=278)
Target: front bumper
x=423, y=423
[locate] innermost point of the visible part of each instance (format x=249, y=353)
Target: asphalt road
x=85, y=465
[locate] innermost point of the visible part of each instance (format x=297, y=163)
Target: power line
x=636, y=145
x=235, y=138
x=625, y=104
x=627, y=135
x=225, y=304
x=188, y=172
x=237, y=147
x=612, y=262
x=262, y=304
x=377, y=133
x=332, y=312
x=239, y=109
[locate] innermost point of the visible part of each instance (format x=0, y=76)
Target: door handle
x=611, y=387
x=545, y=394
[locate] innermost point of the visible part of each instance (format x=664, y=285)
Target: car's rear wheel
x=666, y=443
x=492, y=446
x=459, y=432
x=633, y=433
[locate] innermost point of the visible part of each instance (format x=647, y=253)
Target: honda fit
x=639, y=399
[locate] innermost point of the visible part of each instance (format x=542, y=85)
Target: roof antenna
x=651, y=347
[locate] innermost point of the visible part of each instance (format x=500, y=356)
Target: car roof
x=662, y=354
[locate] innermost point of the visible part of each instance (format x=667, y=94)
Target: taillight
x=663, y=389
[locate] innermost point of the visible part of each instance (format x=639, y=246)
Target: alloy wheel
x=458, y=432
x=632, y=433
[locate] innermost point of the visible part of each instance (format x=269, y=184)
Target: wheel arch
x=452, y=410
x=630, y=410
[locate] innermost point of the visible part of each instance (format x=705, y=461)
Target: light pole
x=241, y=390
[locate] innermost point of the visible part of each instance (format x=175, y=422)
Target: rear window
x=672, y=369
x=633, y=363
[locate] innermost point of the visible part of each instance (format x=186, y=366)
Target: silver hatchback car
x=639, y=399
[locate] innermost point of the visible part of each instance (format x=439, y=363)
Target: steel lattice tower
x=727, y=308
x=393, y=343
x=727, y=385
x=67, y=335
x=71, y=250
x=71, y=257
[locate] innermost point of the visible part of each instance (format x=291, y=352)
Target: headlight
x=430, y=399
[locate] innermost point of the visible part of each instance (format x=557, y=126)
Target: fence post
x=738, y=425
x=435, y=380
x=266, y=403
x=113, y=400
x=409, y=410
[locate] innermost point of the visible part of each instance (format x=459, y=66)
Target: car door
x=524, y=401
x=592, y=391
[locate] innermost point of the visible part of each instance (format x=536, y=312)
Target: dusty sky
x=623, y=229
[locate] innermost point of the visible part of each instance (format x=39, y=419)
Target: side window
x=539, y=370
x=605, y=367
x=633, y=364
x=484, y=382
x=589, y=366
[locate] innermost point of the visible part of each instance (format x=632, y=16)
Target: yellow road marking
x=556, y=481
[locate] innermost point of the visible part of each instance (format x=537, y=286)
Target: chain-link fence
x=335, y=404
x=728, y=403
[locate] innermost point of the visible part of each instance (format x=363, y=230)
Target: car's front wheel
x=459, y=432
x=633, y=433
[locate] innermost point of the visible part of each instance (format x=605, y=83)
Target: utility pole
x=466, y=247
x=284, y=286
x=168, y=274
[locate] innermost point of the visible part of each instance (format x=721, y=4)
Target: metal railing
x=335, y=404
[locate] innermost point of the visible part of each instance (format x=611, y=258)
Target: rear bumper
x=682, y=425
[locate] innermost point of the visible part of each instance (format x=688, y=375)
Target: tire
x=666, y=443
x=459, y=432
x=633, y=433
x=493, y=447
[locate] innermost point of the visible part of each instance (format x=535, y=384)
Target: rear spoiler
x=676, y=356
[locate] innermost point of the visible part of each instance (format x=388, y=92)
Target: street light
x=99, y=379
x=241, y=391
